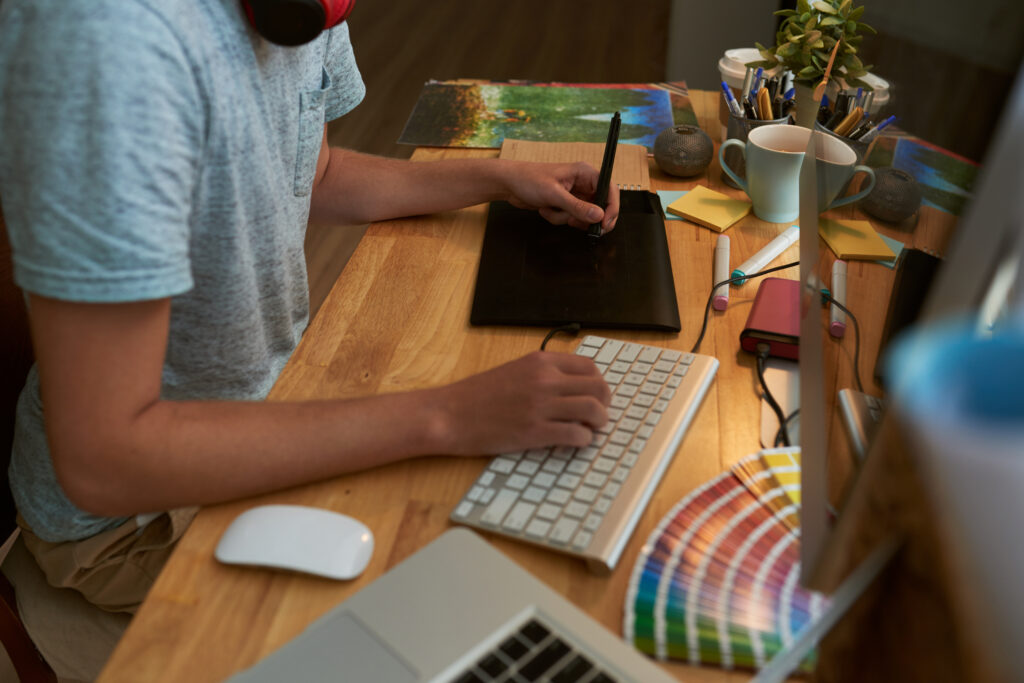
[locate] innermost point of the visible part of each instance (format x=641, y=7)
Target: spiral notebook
x=538, y=274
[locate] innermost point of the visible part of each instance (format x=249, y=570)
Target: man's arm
x=353, y=188
x=119, y=449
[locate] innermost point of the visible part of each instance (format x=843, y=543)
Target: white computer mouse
x=299, y=538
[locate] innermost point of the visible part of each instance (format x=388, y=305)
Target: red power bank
x=774, y=319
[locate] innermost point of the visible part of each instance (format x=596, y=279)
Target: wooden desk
x=397, y=319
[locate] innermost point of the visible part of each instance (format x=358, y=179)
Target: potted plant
x=806, y=38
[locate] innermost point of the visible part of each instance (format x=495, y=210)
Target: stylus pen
x=721, y=273
x=604, y=177
x=837, y=321
x=767, y=254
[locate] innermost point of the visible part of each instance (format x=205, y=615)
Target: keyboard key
x=628, y=425
x=555, y=466
x=670, y=355
x=642, y=368
x=687, y=358
x=517, y=482
x=534, y=632
x=486, y=478
x=578, y=467
x=637, y=445
x=475, y=493
x=538, y=528
x=527, y=467
x=582, y=540
x=636, y=412
x=620, y=367
x=514, y=648
x=634, y=378
x=620, y=401
x=614, y=414
x=608, y=351
x=588, y=454
x=586, y=493
x=665, y=366
x=620, y=437
x=535, y=494
x=503, y=465
x=649, y=354
x=496, y=511
x=644, y=400
x=620, y=474
x=629, y=352
x=574, y=671
x=595, y=479
x=604, y=465
x=548, y=511
x=464, y=508
x=657, y=377
x=544, y=480
x=487, y=496
x=629, y=460
x=612, y=451
x=592, y=522
x=469, y=677
x=602, y=505
x=519, y=516
x=576, y=510
x=559, y=496
x=613, y=378
x=626, y=390
x=492, y=665
x=569, y=481
x=563, y=531
x=650, y=388
x=586, y=351
x=544, y=660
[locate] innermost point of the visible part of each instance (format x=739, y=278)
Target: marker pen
x=767, y=254
x=748, y=78
x=837, y=321
x=873, y=133
x=756, y=84
x=733, y=105
x=721, y=273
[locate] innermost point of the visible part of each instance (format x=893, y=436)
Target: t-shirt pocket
x=311, y=131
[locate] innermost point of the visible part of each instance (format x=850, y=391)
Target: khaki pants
x=77, y=598
x=113, y=569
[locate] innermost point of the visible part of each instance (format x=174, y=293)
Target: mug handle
x=860, y=195
x=733, y=142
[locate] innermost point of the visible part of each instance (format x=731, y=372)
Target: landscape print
x=484, y=114
x=946, y=179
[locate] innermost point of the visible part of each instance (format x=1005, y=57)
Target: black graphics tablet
x=538, y=274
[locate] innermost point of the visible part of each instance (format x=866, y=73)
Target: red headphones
x=294, y=22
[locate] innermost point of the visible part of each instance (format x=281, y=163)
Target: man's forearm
x=357, y=188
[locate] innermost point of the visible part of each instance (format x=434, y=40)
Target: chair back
x=15, y=361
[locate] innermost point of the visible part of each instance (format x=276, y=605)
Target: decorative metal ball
x=683, y=150
x=895, y=197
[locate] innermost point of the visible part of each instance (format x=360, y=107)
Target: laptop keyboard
x=587, y=501
x=534, y=653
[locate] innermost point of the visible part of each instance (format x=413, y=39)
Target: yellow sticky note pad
x=709, y=208
x=854, y=240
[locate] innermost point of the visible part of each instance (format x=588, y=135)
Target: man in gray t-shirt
x=159, y=163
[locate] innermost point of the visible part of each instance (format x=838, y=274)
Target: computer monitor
x=981, y=278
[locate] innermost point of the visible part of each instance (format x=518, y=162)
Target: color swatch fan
x=717, y=581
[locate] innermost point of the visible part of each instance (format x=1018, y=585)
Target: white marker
x=721, y=274
x=768, y=253
x=837, y=326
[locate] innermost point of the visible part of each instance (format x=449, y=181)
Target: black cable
x=707, y=307
x=784, y=426
x=762, y=355
x=571, y=328
x=856, y=339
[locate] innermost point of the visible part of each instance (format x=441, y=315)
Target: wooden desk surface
x=397, y=319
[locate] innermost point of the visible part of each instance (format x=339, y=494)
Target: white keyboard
x=587, y=501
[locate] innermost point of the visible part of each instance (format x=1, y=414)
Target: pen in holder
x=739, y=128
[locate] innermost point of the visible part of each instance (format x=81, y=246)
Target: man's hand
x=542, y=399
x=561, y=193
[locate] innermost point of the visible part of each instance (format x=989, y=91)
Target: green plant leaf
x=803, y=6
x=844, y=7
x=831, y=21
x=852, y=62
x=868, y=28
x=810, y=23
x=766, y=64
x=856, y=13
x=823, y=7
x=784, y=12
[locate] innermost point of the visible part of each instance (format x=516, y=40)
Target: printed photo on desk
x=482, y=115
x=946, y=179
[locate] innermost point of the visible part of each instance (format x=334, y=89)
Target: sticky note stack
x=709, y=208
x=850, y=239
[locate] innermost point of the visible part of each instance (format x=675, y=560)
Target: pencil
x=604, y=177
x=764, y=104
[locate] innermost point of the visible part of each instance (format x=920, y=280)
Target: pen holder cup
x=738, y=129
x=861, y=149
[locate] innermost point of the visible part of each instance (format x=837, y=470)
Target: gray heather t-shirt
x=161, y=148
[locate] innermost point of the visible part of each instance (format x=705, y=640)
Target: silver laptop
x=457, y=611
